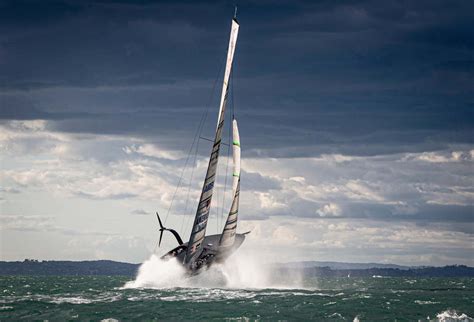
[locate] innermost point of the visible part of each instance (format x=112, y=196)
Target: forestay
x=198, y=231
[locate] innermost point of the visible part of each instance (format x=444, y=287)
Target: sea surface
x=337, y=299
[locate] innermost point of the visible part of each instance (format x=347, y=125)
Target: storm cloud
x=355, y=118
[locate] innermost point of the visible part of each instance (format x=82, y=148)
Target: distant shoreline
x=308, y=269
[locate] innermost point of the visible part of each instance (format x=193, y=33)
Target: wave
x=453, y=316
x=420, y=302
x=65, y=298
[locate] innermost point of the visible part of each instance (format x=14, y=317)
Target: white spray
x=240, y=271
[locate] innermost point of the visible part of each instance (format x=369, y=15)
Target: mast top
x=235, y=12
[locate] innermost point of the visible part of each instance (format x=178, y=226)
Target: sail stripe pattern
x=228, y=234
x=198, y=231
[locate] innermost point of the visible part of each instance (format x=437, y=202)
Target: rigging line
x=221, y=215
x=232, y=91
x=228, y=148
x=216, y=193
x=209, y=140
x=185, y=217
x=156, y=246
x=225, y=181
x=232, y=108
x=182, y=174
x=189, y=188
x=198, y=133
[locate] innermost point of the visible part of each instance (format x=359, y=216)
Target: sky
x=356, y=121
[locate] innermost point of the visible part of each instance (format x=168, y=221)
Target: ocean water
x=160, y=292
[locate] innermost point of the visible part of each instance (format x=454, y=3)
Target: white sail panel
x=198, y=231
x=228, y=68
x=228, y=234
x=236, y=156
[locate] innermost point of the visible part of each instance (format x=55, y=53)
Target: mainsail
x=198, y=231
x=230, y=228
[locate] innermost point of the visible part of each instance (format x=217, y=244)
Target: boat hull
x=212, y=253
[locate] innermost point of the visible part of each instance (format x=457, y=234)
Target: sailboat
x=201, y=251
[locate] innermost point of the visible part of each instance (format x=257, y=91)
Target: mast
x=198, y=231
x=230, y=228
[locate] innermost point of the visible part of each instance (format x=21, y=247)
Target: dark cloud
x=34, y=13
x=259, y=182
x=361, y=78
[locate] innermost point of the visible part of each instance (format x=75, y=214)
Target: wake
x=238, y=272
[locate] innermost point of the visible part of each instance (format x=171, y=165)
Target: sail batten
x=202, y=214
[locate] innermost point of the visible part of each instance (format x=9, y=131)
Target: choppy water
x=339, y=299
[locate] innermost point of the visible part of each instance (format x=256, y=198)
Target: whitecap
x=330, y=303
x=336, y=315
x=6, y=308
x=453, y=316
x=70, y=300
x=420, y=302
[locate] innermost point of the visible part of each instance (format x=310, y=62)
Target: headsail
x=198, y=231
x=230, y=228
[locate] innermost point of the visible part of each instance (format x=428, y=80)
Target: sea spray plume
x=160, y=274
x=157, y=273
x=246, y=270
x=241, y=271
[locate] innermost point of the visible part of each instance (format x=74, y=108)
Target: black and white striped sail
x=230, y=228
x=198, y=231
